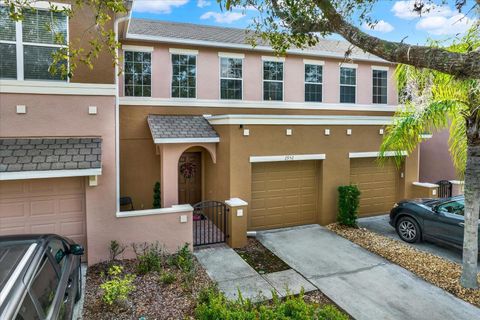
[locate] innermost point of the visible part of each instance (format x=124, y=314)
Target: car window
x=57, y=249
x=27, y=310
x=454, y=207
x=45, y=285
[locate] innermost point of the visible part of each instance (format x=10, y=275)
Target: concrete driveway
x=362, y=283
x=379, y=224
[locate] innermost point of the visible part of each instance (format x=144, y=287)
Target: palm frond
x=411, y=123
x=458, y=144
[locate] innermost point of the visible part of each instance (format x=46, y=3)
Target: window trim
x=151, y=70
x=347, y=66
x=312, y=63
x=379, y=68
x=184, y=52
x=19, y=43
x=278, y=60
x=220, y=78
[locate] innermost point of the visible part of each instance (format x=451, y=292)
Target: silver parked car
x=40, y=277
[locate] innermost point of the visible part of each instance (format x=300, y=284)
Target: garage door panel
x=289, y=194
x=44, y=206
x=377, y=184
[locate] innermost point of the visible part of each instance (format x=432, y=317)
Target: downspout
x=117, y=118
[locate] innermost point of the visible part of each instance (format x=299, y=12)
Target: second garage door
x=378, y=185
x=44, y=206
x=283, y=194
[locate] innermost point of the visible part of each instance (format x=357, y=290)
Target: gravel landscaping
x=434, y=269
x=151, y=298
x=260, y=258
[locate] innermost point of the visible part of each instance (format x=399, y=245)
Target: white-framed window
x=313, y=82
x=348, y=84
x=231, y=78
x=138, y=73
x=379, y=86
x=26, y=47
x=8, y=50
x=184, y=75
x=272, y=80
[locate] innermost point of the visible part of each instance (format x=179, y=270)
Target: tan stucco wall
x=231, y=175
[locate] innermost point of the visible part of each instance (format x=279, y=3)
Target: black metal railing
x=209, y=223
x=444, y=189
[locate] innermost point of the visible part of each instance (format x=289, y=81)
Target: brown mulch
x=151, y=299
x=434, y=269
x=260, y=258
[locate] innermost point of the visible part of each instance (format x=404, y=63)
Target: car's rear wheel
x=408, y=230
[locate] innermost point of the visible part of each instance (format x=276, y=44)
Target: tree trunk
x=472, y=206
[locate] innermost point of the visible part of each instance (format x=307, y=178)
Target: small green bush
x=116, y=249
x=156, y=196
x=183, y=259
x=115, y=287
x=212, y=304
x=167, y=278
x=149, y=256
x=348, y=201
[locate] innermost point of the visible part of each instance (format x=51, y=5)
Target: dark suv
x=40, y=277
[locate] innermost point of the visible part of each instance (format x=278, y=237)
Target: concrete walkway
x=232, y=273
x=360, y=282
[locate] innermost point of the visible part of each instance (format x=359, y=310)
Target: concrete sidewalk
x=232, y=273
x=360, y=282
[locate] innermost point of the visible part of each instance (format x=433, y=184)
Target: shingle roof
x=180, y=127
x=196, y=32
x=40, y=154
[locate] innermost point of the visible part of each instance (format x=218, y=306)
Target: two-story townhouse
x=58, y=136
x=211, y=118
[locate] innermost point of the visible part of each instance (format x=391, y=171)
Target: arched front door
x=190, y=178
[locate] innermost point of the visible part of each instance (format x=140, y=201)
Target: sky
x=396, y=21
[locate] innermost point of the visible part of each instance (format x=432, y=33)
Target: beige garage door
x=378, y=185
x=283, y=194
x=44, y=206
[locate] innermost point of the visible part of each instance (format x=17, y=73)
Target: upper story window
x=379, y=86
x=28, y=55
x=313, y=82
x=348, y=84
x=138, y=74
x=184, y=76
x=8, y=52
x=231, y=78
x=272, y=80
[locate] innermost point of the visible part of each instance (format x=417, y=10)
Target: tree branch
x=462, y=65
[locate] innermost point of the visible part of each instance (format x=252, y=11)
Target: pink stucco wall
x=67, y=116
x=435, y=159
x=208, y=78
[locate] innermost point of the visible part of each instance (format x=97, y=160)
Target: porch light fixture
x=349, y=132
x=381, y=131
x=246, y=132
x=21, y=109
x=327, y=132
x=288, y=132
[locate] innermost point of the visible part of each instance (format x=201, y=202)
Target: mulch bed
x=434, y=269
x=260, y=258
x=151, y=299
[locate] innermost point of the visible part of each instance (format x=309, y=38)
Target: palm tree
x=434, y=101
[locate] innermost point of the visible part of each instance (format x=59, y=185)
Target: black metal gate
x=444, y=189
x=209, y=223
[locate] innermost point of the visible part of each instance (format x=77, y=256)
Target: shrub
x=167, y=278
x=212, y=304
x=156, y=196
x=348, y=201
x=115, y=287
x=116, y=249
x=183, y=259
x=149, y=257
